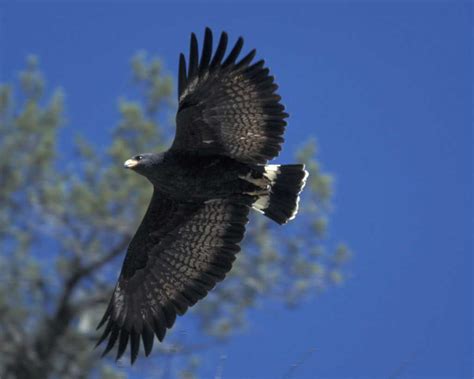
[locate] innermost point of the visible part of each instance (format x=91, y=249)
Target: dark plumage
x=229, y=124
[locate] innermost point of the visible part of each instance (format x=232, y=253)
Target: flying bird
x=229, y=124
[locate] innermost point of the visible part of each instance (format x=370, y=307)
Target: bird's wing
x=226, y=106
x=179, y=253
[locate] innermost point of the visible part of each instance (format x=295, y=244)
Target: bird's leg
x=260, y=192
x=263, y=182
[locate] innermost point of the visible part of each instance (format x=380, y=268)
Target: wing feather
x=229, y=108
x=182, y=79
x=193, y=58
x=234, y=53
x=244, y=62
x=147, y=337
x=134, y=344
x=179, y=253
x=220, y=51
x=206, y=52
x=159, y=323
x=113, y=337
x=123, y=341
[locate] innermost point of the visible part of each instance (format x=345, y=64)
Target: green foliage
x=84, y=213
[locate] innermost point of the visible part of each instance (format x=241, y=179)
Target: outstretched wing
x=228, y=107
x=179, y=253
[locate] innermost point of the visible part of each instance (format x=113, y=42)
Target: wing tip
x=234, y=53
x=182, y=75
x=206, y=51
x=193, y=56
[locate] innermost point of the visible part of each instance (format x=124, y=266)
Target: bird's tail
x=280, y=203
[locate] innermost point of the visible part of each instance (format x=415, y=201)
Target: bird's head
x=145, y=163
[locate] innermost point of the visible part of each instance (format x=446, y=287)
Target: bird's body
x=195, y=177
x=229, y=124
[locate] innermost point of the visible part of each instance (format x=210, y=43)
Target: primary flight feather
x=230, y=122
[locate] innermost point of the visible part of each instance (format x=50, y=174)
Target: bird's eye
x=138, y=157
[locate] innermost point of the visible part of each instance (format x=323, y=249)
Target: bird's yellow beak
x=129, y=163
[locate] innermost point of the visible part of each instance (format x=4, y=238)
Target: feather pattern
x=179, y=253
x=228, y=108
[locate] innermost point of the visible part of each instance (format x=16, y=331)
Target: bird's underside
x=229, y=124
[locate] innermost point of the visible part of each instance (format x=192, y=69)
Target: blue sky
x=387, y=90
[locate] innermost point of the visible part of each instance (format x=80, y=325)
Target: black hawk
x=230, y=122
